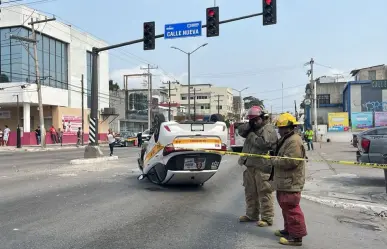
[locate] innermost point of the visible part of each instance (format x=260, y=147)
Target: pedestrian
x=38, y=135
x=53, y=134
x=139, y=139
x=288, y=180
x=60, y=136
x=111, y=141
x=261, y=137
x=79, y=134
x=6, y=135
x=1, y=137
x=309, y=137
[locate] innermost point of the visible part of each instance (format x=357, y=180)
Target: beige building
x=378, y=72
x=205, y=97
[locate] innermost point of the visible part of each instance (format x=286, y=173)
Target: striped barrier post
x=92, y=131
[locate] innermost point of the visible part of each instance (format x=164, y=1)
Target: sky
x=340, y=35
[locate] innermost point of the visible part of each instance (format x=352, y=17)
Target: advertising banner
x=338, y=121
x=380, y=119
x=361, y=121
x=71, y=124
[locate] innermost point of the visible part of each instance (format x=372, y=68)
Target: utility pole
x=37, y=73
x=295, y=110
x=194, y=90
x=149, y=94
x=169, y=100
x=218, y=96
x=240, y=101
x=83, y=109
x=18, y=132
x=271, y=113
x=314, y=97
x=169, y=96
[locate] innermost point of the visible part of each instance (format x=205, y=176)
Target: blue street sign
x=181, y=30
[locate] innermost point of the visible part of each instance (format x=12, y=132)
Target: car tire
x=158, y=120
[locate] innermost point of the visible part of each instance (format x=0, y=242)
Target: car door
x=378, y=144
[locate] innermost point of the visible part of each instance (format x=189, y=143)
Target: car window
x=381, y=131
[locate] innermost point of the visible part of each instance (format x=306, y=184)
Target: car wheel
x=159, y=119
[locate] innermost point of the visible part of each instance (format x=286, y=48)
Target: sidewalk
x=344, y=186
x=49, y=147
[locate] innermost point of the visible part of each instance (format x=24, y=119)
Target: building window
x=372, y=74
x=323, y=99
x=183, y=98
x=201, y=97
x=18, y=65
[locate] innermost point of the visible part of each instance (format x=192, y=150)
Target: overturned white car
x=173, y=156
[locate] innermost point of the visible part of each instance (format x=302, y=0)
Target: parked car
x=372, y=145
x=125, y=139
x=146, y=135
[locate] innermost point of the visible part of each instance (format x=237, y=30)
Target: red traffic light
x=211, y=13
x=268, y=2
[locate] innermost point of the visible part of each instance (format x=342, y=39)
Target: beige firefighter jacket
x=289, y=175
x=260, y=142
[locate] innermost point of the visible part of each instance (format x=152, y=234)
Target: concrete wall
x=79, y=42
x=335, y=90
x=355, y=98
x=322, y=114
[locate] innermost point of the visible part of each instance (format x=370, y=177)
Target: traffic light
x=212, y=24
x=149, y=35
x=269, y=9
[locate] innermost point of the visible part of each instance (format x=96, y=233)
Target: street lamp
x=240, y=101
x=189, y=74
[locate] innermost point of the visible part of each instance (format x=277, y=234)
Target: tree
x=4, y=78
x=253, y=101
x=113, y=86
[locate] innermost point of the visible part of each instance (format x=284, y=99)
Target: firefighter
x=288, y=180
x=261, y=137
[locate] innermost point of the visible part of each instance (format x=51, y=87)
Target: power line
x=246, y=73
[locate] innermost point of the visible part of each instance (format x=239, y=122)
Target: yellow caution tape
x=370, y=165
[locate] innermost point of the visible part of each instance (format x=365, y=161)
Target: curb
x=93, y=160
x=375, y=210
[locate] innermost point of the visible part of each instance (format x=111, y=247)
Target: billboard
x=361, y=121
x=71, y=124
x=380, y=119
x=338, y=121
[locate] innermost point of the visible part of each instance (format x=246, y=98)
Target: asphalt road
x=47, y=203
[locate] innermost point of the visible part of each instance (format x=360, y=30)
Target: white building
x=205, y=97
x=64, y=56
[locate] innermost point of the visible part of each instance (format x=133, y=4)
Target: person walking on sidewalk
x=79, y=134
x=139, y=139
x=261, y=138
x=309, y=137
x=111, y=140
x=289, y=179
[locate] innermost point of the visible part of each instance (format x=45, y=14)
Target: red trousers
x=291, y=211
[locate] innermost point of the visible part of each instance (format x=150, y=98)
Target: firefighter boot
x=245, y=218
x=290, y=241
x=263, y=223
x=281, y=233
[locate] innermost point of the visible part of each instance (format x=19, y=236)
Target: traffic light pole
x=93, y=150
x=162, y=35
